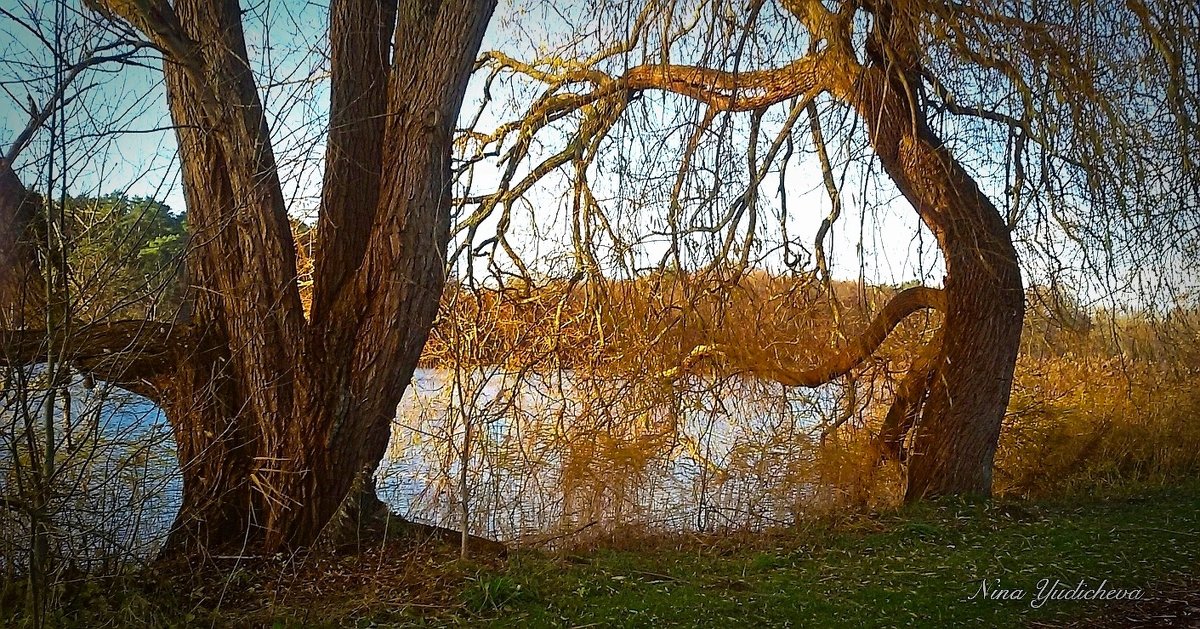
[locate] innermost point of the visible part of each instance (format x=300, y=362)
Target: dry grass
x=1095, y=403
x=1079, y=422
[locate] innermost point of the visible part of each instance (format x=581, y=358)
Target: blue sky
x=885, y=243
x=285, y=41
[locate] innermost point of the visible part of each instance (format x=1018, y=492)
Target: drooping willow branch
x=850, y=355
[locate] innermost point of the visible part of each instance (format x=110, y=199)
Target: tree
x=123, y=256
x=1083, y=108
x=19, y=296
x=276, y=414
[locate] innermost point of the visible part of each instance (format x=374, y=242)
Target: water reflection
x=548, y=453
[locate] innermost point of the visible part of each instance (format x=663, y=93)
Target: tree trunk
x=954, y=440
x=22, y=290
x=275, y=415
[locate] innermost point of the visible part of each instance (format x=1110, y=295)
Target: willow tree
x=276, y=413
x=986, y=117
x=20, y=293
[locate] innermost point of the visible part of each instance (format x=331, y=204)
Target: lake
x=549, y=453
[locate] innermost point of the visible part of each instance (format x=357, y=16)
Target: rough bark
x=22, y=291
x=276, y=415
x=379, y=322
x=360, y=48
x=954, y=441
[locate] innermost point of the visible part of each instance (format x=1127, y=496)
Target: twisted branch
x=851, y=354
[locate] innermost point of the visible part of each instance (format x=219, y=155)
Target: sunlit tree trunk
x=277, y=414
x=955, y=437
x=962, y=391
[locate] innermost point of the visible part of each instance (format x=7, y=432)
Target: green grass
x=917, y=567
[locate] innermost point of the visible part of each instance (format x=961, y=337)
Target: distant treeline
x=123, y=255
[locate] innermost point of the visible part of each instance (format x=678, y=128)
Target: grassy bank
x=918, y=567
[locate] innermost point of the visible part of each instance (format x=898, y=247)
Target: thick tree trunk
x=220, y=511
x=275, y=416
x=954, y=440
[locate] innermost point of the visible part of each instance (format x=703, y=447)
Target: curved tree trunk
x=954, y=440
x=964, y=402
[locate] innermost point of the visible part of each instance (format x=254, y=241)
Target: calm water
x=542, y=457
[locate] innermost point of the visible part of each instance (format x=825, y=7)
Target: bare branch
x=40, y=115
x=847, y=358
x=835, y=209
x=119, y=352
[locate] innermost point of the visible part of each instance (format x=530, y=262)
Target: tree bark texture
x=276, y=414
x=22, y=291
x=954, y=439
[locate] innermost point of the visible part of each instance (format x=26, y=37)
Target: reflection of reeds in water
x=557, y=452
x=598, y=440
